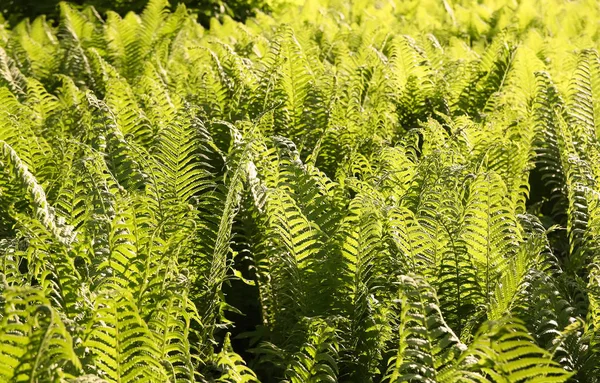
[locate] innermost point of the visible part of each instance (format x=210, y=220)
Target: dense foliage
x=366, y=191
x=15, y=10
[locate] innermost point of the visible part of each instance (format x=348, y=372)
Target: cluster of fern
x=364, y=191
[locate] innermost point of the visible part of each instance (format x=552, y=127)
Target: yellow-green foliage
x=363, y=191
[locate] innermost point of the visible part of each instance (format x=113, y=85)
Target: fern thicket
x=361, y=191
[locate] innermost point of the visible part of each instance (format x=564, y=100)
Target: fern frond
x=427, y=346
x=363, y=259
x=12, y=76
x=35, y=342
x=547, y=144
x=77, y=33
x=412, y=241
x=171, y=325
x=122, y=158
x=44, y=212
x=584, y=99
x=119, y=341
x=489, y=230
x=316, y=361
x=505, y=351
x=232, y=365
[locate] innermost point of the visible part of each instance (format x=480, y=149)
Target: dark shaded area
x=15, y=10
x=243, y=297
x=544, y=204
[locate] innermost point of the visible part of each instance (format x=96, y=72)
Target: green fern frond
x=44, y=212
x=489, y=229
x=40, y=46
x=12, y=76
x=232, y=365
x=547, y=143
x=123, y=160
x=316, y=361
x=78, y=33
x=427, y=347
x=490, y=76
x=219, y=254
x=412, y=241
x=35, y=342
x=171, y=325
x=505, y=351
x=119, y=342
x=584, y=98
x=363, y=262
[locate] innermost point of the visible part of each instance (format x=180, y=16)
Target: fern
x=120, y=342
x=327, y=192
x=427, y=346
x=43, y=211
x=489, y=229
x=504, y=351
x=35, y=342
x=316, y=362
x=234, y=370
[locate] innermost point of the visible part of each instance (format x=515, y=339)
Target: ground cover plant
x=366, y=191
x=15, y=11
